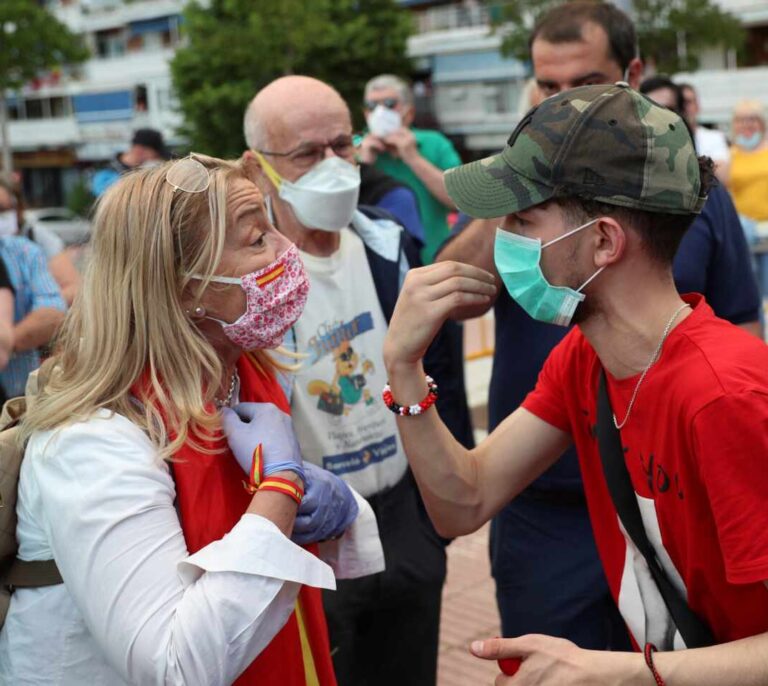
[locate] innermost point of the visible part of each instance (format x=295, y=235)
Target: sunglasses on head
x=389, y=103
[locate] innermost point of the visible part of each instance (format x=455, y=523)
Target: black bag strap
x=694, y=631
x=32, y=574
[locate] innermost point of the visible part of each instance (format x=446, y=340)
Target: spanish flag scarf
x=211, y=500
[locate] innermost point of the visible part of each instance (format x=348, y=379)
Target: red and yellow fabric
x=270, y=276
x=211, y=500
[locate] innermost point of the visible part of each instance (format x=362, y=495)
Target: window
x=14, y=110
x=110, y=43
x=34, y=109
x=153, y=40
x=494, y=100
x=60, y=107
x=140, y=99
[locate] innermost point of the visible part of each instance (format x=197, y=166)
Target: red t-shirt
x=696, y=448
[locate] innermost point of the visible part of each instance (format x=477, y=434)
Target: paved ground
x=469, y=612
x=469, y=606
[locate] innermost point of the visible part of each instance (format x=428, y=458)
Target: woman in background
x=749, y=161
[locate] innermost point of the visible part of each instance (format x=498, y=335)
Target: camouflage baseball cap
x=606, y=142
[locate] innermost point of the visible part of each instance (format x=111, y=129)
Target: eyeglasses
x=389, y=103
x=188, y=175
x=308, y=154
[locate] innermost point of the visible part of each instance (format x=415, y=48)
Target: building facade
x=64, y=123
x=471, y=89
x=475, y=94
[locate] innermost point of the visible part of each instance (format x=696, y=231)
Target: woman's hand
x=428, y=297
x=250, y=424
x=327, y=510
x=548, y=661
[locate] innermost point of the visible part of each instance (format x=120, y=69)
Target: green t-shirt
x=437, y=149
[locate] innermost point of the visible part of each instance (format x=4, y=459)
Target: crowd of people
x=214, y=487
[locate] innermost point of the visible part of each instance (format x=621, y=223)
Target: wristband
x=648, y=652
x=285, y=466
x=411, y=410
x=284, y=486
x=259, y=472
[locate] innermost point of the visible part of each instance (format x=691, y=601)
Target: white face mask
x=323, y=198
x=383, y=121
x=9, y=223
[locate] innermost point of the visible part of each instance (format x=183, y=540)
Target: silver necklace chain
x=651, y=362
x=230, y=393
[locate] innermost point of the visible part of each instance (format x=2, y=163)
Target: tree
x=235, y=47
x=671, y=33
x=32, y=41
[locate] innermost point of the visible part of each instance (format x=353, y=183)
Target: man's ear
x=635, y=72
x=252, y=166
x=611, y=238
x=409, y=114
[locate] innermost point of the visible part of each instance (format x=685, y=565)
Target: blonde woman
x=127, y=472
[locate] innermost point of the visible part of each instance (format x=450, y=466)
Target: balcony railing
x=452, y=17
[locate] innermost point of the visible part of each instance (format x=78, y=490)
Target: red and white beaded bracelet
x=411, y=410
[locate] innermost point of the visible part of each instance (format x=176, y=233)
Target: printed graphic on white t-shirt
x=640, y=601
x=340, y=421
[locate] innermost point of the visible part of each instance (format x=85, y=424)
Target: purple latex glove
x=248, y=424
x=327, y=510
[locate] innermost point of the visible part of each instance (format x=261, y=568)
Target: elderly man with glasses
x=384, y=627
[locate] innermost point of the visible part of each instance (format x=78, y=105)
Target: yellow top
x=749, y=182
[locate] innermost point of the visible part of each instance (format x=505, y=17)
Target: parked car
x=71, y=228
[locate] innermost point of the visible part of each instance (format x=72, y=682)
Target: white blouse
x=135, y=607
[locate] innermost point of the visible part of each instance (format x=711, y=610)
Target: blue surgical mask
x=748, y=142
x=518, y=260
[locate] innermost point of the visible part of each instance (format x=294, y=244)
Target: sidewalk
x=469, y=613
x=469, y=603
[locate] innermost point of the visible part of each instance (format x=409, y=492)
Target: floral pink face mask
x=275, y=297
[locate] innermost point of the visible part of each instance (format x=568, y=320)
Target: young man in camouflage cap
x=596, y=188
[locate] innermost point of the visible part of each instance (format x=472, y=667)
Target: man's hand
x=548, y=661
x=429, y=296
x=403, y=142
x=327, y=510
x=370, y=147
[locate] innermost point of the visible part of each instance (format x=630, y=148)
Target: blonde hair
x=129, y=326
x=750, y=108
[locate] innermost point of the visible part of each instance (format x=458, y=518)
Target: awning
x=110, y=106
x=472, y=67
x=157, y=25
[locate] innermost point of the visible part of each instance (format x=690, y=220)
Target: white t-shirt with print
x=340, y=421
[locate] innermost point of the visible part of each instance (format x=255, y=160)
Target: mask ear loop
x=570, y=233
x=269, y=170
x=589, y=280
